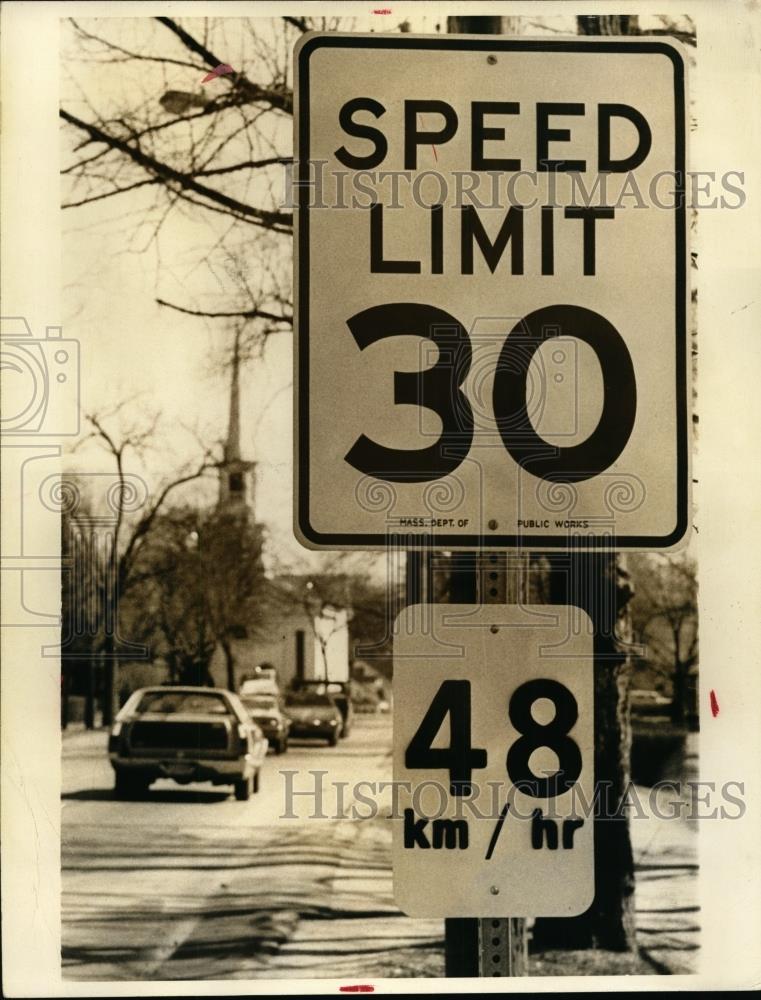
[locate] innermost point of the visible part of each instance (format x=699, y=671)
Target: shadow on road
x=159, y=795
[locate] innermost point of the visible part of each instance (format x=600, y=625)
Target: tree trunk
x=229, y=664
x=608, y=24
x=90, y=694
x=678, y=694
x=596, y=583
x=484, y=25
x=109, y=671
x=64, y=697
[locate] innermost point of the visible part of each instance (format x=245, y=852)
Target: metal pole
x=502, y=944
x=487, y=947
x=477, y=947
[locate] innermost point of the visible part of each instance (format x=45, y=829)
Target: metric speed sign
x=493, y=761
x=491, y=292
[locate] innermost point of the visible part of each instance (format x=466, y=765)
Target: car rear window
x=188, y=702
x=262, y=704
x=309, y=698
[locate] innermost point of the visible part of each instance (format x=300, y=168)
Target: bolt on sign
x=493, y=761
x=491, y=276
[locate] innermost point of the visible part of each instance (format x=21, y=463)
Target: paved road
x=189, y=883
x=88, y=784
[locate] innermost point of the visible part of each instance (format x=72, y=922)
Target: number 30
x=440, y=389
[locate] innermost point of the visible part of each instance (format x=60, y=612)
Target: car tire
x=256, y=780
x=243, y=788
x=281, y=747
x=333, y=741
x=130, y=786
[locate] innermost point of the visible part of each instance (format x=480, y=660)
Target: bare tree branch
x=242, y=314
x=251, y=164
x=109, y=194
x=278, y=221
x=282, y=100
x=132, y=55
x=297, y=22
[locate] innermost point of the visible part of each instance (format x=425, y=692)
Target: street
x=190, y=884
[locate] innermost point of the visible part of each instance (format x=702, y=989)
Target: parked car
x=341, y=695
x=260, y=685
x=646, y=702
x=366, y=699
x=313, y=716
x=268, y=714
x=187, y=734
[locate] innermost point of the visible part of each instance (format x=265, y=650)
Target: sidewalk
x=79, y=729
x=666, y=873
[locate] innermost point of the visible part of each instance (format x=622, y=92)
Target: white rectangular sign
x=491, y=292
x=493, y=761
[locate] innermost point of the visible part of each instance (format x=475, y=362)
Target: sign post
x=502, y=942
x=485, y=373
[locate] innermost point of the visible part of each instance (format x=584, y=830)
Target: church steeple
x=234, y=473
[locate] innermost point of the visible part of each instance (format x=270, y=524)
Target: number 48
x=460, y=758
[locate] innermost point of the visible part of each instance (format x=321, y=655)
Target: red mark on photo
x=218, y=71
x=435, y=154
x=382, y=10
x=714, y=704
x=356, y=989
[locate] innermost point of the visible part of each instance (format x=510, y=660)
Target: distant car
x=340, y=693
x=365, y=699
x=646, y=702
x=267, y=713
x=187, y=734
x=314, y=716
x=260, y=685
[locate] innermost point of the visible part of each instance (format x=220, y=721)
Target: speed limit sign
x=493, y=761
x=491, y=275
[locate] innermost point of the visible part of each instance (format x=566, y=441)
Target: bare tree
x=214, y=154
x=665, y=616
x=133, y=520
x=206, y=583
